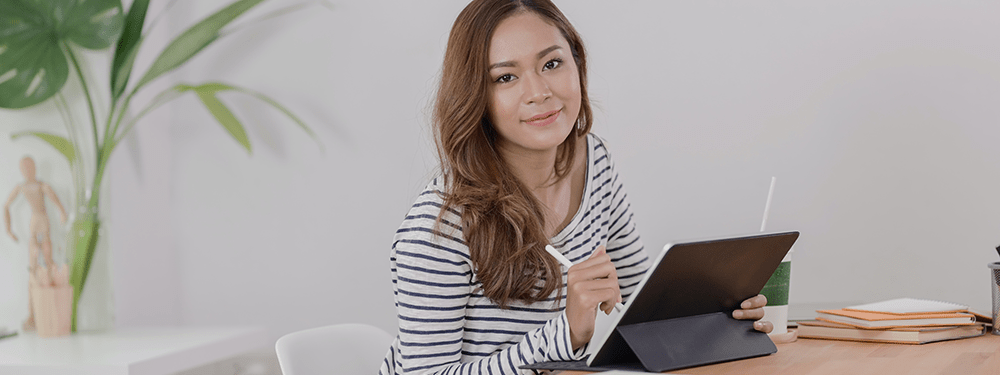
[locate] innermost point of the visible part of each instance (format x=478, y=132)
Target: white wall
x=878, y=118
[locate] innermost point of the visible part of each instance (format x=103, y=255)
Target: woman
x=476, y=292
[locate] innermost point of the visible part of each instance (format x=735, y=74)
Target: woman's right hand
x=593, y=284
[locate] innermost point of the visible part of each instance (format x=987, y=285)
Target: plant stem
x=90, y=102
x=122, y=113
x=95, y=192
x=160, y=99
x=108, y=133
x=78, y=172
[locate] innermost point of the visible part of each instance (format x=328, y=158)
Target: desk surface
x=979, y=355
x=129, y=351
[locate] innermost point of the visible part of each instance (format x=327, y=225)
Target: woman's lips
x=544, y=119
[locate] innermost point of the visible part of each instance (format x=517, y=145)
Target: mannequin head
x=28, y=168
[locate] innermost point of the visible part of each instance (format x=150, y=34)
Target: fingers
x=749, y=314
x=598, y=290
x=597, y=266
x=752, y=308
x=610, y=297
x=598, y=293
x=606, y=308
x=763, y=326
x=590, y=286
x=604, y=299
x=594, y=282
x=583, y=272
x=599, y=256
x=754, y=302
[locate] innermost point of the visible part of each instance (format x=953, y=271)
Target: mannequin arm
x=55, y=199
x=6, y=211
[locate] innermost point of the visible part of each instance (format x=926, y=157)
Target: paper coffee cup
x=776, y=291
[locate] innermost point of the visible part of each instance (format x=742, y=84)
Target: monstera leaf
x=33, y=35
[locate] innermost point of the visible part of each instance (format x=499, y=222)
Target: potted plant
x=38, y=40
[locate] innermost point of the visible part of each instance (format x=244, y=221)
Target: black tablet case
x=682, y=316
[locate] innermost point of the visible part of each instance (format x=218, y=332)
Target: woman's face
x=535, y=98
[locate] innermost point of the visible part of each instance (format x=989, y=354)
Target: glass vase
x=95, y=300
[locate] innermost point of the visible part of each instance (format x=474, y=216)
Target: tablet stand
x=694, y=341
x=677, y=343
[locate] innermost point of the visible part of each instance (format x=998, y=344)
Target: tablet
x=694, y=278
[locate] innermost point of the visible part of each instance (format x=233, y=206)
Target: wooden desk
x=978, y=355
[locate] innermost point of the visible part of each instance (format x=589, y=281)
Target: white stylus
x=565, y=261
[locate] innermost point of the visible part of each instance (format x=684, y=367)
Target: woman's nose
x=536, y=89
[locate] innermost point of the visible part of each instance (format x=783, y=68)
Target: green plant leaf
x=276, y=105
x=128, y=47
x=91, y=24
x=84, y=239
x=206, y=93
x=162, y=98
x=284, y=110
x=194, y=39
x=33, y=66
x=63, y=145
x=214, y=87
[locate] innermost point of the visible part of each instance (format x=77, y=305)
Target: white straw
x=767, y=206
x=565, y=261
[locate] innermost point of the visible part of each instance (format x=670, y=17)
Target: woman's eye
x=552, y=64
x=505, y=78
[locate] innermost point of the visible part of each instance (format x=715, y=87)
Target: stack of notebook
x=904, y=320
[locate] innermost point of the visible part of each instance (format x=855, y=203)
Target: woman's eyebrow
x=547, y=50
x=510, y=64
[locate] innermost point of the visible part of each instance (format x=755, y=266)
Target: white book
x=909, y=306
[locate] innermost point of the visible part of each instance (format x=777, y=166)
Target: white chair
x=346, y=349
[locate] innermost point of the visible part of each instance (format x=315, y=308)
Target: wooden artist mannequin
x=34, y=192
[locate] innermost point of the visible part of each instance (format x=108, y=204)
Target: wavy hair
x=502, y=221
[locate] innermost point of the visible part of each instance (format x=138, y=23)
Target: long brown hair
x=502, y=221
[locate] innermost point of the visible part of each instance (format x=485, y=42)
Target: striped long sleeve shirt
x=447, y=326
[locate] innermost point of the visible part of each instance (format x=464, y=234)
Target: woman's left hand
x=753, y=309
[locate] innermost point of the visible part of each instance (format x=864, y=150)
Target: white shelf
x=127, y=351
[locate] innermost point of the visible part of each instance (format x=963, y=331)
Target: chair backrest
x=346, y=349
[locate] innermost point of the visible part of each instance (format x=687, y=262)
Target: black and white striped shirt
x=447, y=326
